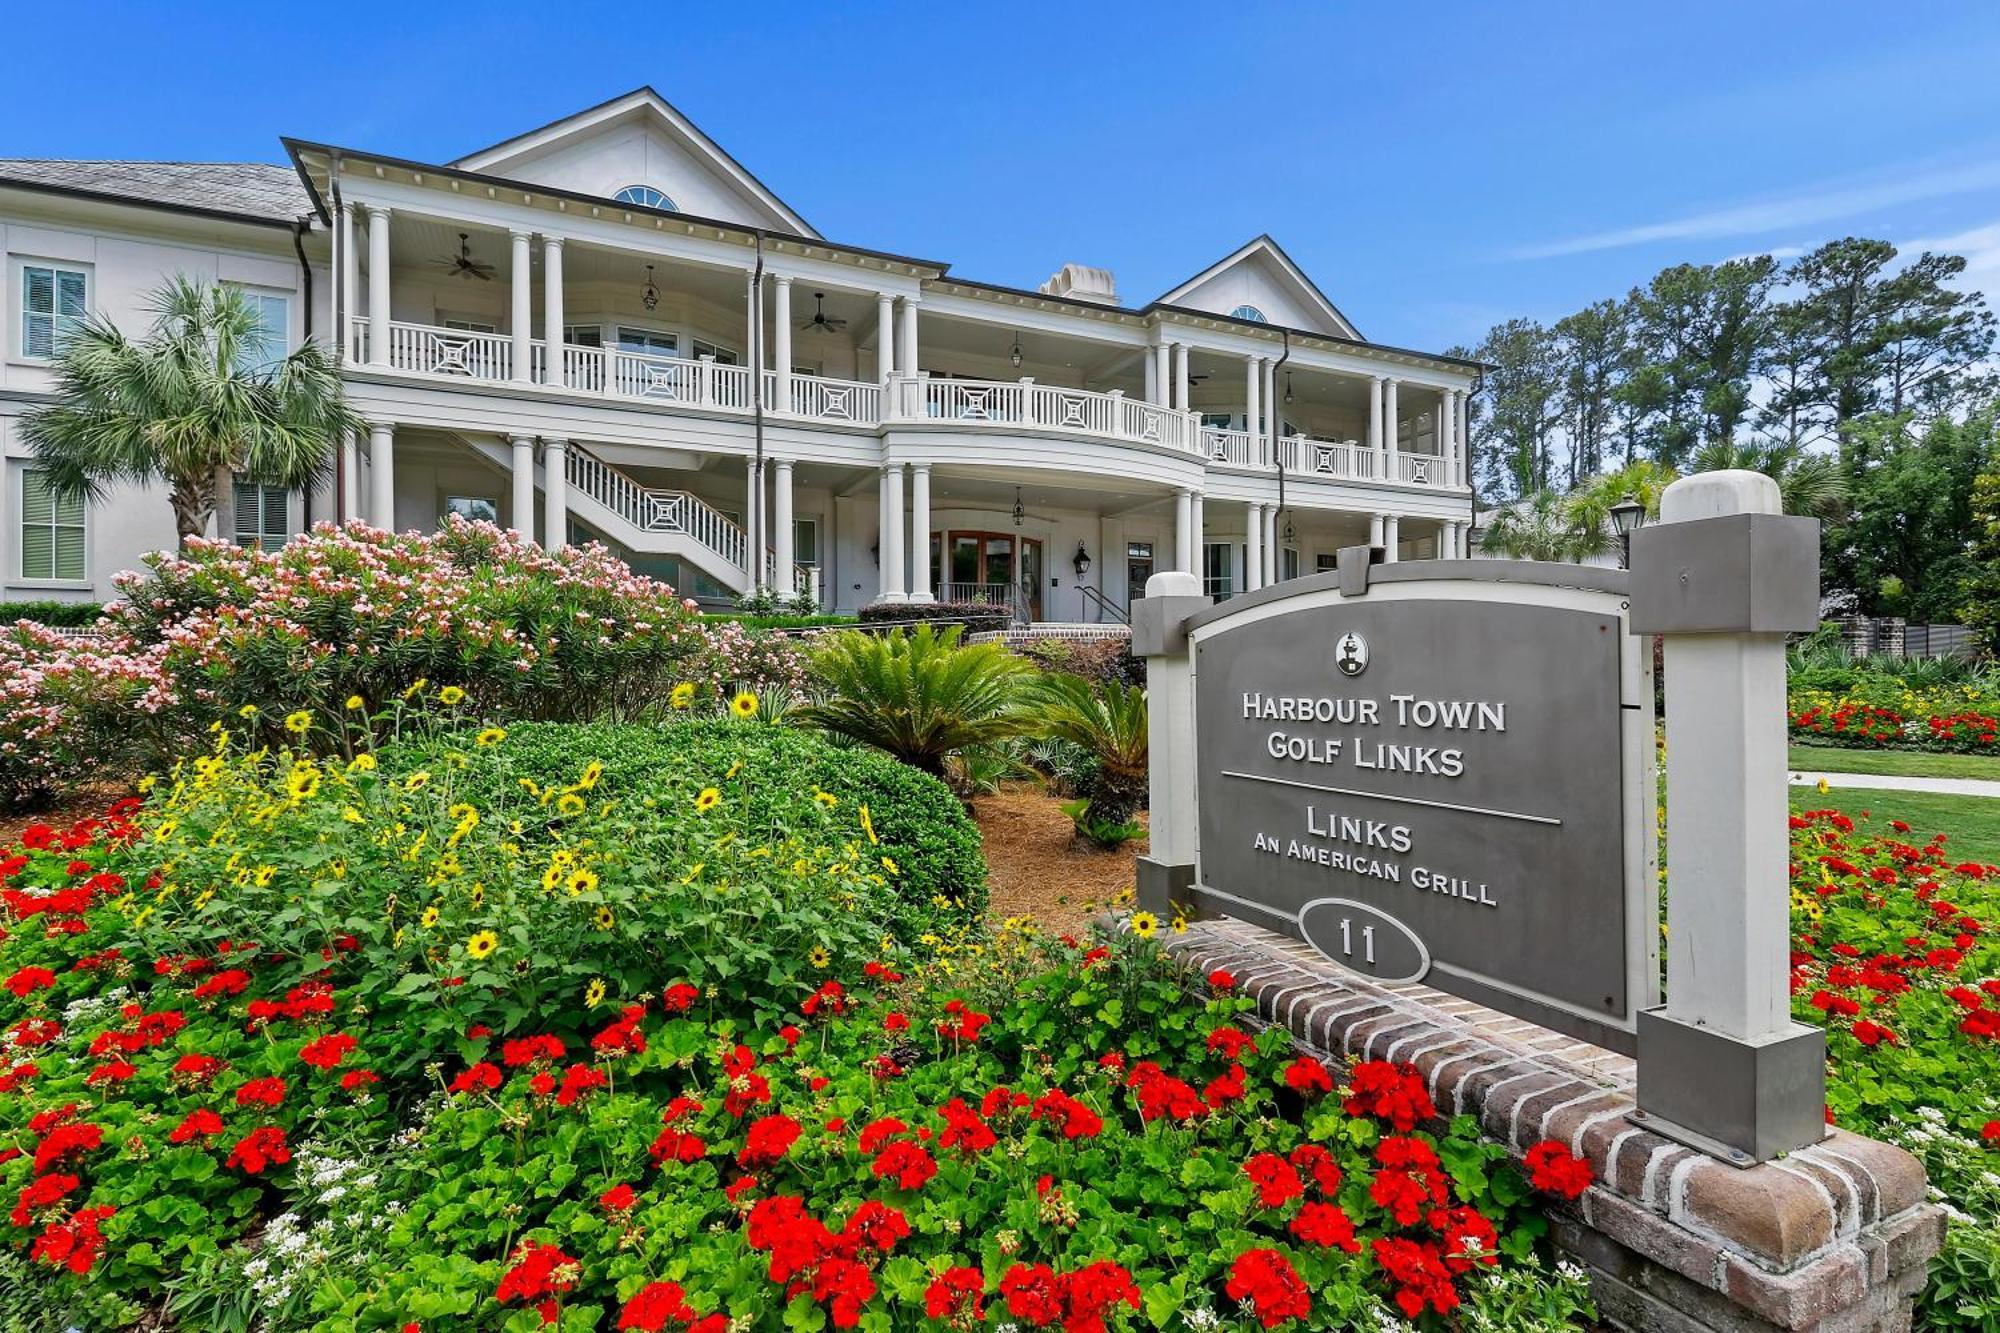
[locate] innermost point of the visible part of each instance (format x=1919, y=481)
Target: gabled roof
x=247, y=191
x=1263, y=246
x=641, y=103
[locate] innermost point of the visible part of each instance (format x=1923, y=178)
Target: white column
x=524, y=486
x=1181, y=386
x=1151, y=365
x=1375, y=415
x=754, y=541
x=350, y=285
x=1253, y=547
x=1185, y=555
x=521, y=318
x=1271, y=561
x=555, y=494
x=382, y=475
x=781, y=329
x=1392, y=536
x=1197, y=525
x=894, y=568
x=1447, y=438
x=781, y=517
x=350, y=477
x=920, y=532
x=1375, y=527
x=1464, y=438
x=1273, y=409
x=552, y=322
x=1253, y=388
x=1391, y=436
x=378, y=285
x=906, y=339
x=882, y=536
x=885, y=335
x=1726, y=815
x=1163, y=375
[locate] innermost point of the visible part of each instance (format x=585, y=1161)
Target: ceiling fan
x=821, y=322
x=462, y=264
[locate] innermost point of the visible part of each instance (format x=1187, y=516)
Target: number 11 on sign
x=1367, y=940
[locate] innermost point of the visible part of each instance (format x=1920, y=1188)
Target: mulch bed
x=80, y=802
x=1038, y=866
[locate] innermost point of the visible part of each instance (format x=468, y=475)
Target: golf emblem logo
x=1351, y=654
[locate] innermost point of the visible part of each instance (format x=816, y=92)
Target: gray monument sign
x=1434, y=772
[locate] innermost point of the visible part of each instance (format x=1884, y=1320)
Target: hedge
x=57, y=615
x=977, y=617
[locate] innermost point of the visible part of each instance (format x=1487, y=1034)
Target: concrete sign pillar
x=1721, y=579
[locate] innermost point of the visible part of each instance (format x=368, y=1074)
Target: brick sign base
x=1830, y=1238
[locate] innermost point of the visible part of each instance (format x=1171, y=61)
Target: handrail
x=1035, y=406
x=1105, y=606
x=653, y=509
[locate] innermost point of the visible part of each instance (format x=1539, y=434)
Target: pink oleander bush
x=348, y=625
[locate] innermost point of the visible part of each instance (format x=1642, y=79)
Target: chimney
x=1082, y=283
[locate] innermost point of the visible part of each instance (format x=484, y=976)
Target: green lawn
x=1902, y=763
x=1973, y=822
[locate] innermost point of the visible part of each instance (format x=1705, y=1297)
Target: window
x=645, y=196
x=583, y=335
x=473, y=508
x=805, y=541
x=263, y=516
x=1249, y=312
x=1288, y=562
x=646, y=342
x=1326, y=562
x=51, y=531
x=469, y=326
x=1218, y=569
x=53, y=302
x=274, y=329
x=723, y=356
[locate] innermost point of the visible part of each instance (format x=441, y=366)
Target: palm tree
x=1809, y=484
x=186, y=404
x=916, y=694
x=1590, y=504
x=1107, y=719
x=1543, y=526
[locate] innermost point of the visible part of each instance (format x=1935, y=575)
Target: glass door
x=1031, y=576
x=1138, y=568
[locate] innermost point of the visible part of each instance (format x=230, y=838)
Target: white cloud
x=1786, y=213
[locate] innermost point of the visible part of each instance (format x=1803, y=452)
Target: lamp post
x=1627, y=516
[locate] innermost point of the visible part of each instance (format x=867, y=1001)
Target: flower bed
x=285, y=1044
x=1888, y=715
x=1896, y=954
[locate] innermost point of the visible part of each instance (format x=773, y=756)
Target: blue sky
x=1435, y=168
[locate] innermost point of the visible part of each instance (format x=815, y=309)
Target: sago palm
x=1107, y=719
x=917, y=694
x=186, y=405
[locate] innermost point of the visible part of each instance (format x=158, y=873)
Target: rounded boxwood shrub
x=921, y=826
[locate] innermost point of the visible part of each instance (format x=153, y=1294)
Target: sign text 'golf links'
x=1439, y=779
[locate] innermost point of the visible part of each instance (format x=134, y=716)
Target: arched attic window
x=645, y=196
x=1249, y=312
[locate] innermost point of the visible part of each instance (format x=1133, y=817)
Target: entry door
x=1138, y=568
x=1031, y=576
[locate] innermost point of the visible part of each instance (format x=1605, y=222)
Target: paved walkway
x=1893, y=782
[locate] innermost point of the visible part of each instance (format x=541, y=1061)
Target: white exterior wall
x=126, y=253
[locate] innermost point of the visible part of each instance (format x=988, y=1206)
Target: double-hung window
x=263, y=515
x=53, y=302
x=273, y=340
x=52, y=531
x=701, y=347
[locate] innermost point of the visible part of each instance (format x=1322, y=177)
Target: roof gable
x=639, y=139
x=1262, y=276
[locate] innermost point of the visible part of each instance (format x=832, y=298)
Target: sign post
x=1721, y=579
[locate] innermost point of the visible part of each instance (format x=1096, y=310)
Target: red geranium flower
x=328, y=1051
x=1267, y=1280
x=618, y=1199
x=1394, y=1093
x=198, y=1124
x=1554, y=1169
x=481, y=1077
x=1325, y=1225
x=1277, y=1183
x=258, y=1149
x=956, y=1292
x=768, y=1140
x=1306, y=1075
x=908, y=1165
x=539, y=1274
x=262, y=1092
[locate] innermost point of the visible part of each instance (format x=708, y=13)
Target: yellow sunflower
x=354, y=703
x=247, y=711
x=298, y=723
x=416, y=687
x=491, y=736
x=361, y=763
x=708, y=799
x=1144, y=924
x=569, y=803
x=429, y=917
x=744, y=705
x=605, y=918
x=451, y=696
x=682, y=696
x=582, y=882
x=416, y=781
x=826, y=798
x=592, y=771
x=593, y=994
x=820, y=957
x=482, y=943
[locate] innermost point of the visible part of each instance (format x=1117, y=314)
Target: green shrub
x=56, y=615
x=922, y=827
x=915, y=693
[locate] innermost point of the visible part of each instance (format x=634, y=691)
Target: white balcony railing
x=1020, y=404
x=1033, y=406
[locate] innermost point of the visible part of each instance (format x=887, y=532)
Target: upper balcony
x=933, y=371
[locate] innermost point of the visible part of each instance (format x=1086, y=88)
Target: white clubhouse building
x=922, y=435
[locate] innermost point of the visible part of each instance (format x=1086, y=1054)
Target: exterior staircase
x=655, y=520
